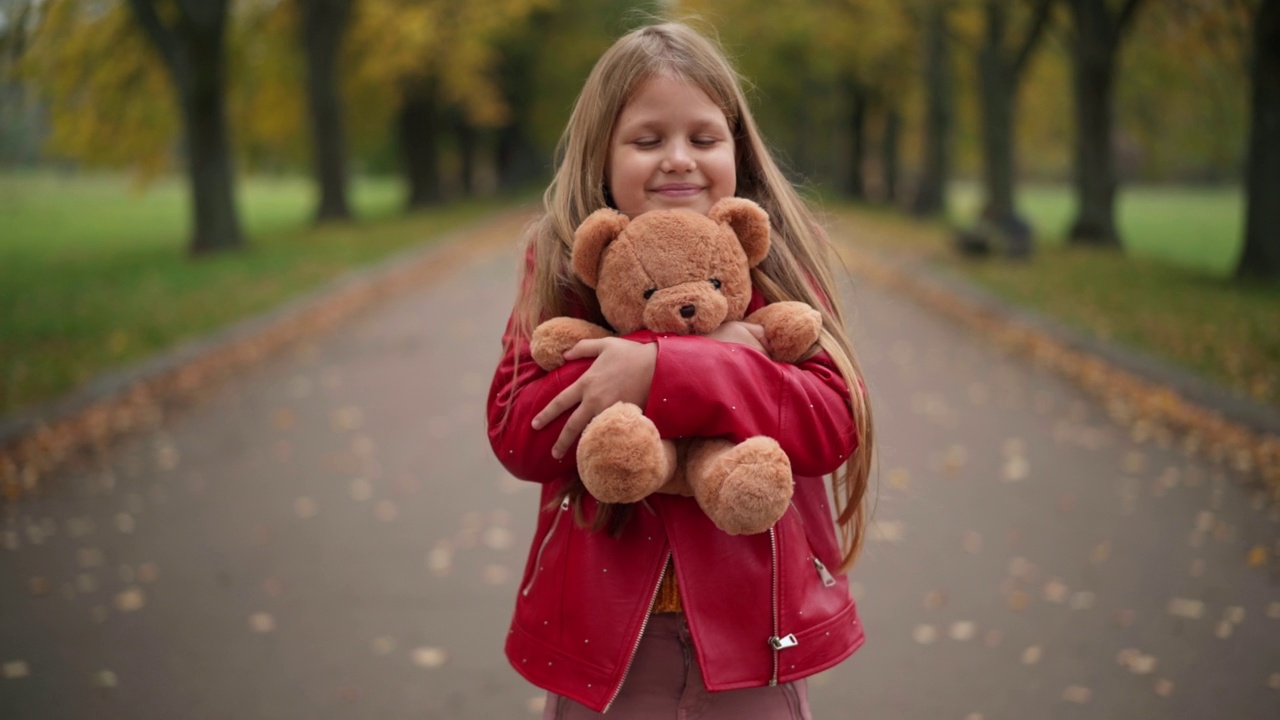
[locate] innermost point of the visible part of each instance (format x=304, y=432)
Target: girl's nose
x=679, y=160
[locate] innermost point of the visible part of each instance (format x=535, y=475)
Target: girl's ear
x=590, y=239
x=749, y=222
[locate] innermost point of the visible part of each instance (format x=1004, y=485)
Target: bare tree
x=190, y=36
x=324, y=22
x=1098, y=35
x=1261, y=256
x=930, y=198
x=1001, y=66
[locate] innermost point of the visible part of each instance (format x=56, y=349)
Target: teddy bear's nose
x=687, y=311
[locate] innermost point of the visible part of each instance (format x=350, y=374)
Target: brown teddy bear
x=676, y=271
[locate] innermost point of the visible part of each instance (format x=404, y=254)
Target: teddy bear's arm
x=790, y=328
x=553, y=338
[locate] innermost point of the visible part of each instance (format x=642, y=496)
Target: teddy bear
x=677, y=271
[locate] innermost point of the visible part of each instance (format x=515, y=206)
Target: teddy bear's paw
x=621, y=457
x=751, y=487
x=791, y=329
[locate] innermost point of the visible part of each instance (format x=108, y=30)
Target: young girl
x=648, y=610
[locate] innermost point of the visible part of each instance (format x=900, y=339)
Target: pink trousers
x=665, y=682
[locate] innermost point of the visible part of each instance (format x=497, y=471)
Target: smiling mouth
x=678, y=190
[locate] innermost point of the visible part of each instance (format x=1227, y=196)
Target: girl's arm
x=520, y=391
x=704, y=388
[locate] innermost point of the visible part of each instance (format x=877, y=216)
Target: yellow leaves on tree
x=395, y=46
x=110, y=102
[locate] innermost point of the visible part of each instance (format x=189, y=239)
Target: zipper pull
x=827, y=580
x=782, y=643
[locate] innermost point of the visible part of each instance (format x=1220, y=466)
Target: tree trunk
x=466, y=138
x=857, y=95
x=192, y=48
x=418, y=126
x=323, y=25
x=1097, y=42
x=930, y=196
x=517, y=159
x=996, y=93
x=1261, y=256
x=891, y=152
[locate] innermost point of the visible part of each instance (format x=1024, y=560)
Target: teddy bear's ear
x=590, y=239
x=749, y=222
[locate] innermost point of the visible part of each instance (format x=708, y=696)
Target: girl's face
x=671, y=148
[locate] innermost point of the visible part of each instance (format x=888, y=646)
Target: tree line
x=878, y=100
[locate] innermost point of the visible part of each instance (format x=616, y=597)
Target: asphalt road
x=328, y=536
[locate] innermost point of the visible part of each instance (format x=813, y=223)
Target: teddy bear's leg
x=743, y=488
x=621, y=458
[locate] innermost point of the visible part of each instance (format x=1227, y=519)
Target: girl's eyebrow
x=659, y=122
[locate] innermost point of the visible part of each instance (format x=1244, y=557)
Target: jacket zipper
x=653, y=598
x=777, y=643
x=773, y=567
x=827, y=579
x=537, y=560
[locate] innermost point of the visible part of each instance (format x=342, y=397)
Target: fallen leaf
x=38, y=586
x=361, y=489
x=498, y=538
x=1077, y=694
x=386, y=511
x=1186, y=608
x=262, y=622
x=1257, y=556
x=495, y=574
x=429, y=657
x=1032, y=655
x=305, y=507
x=130, y=600
x=962, y=630
x=104, y=679
x=924, y=634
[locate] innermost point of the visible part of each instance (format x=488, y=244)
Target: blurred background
x=184, y=128
x=326, y=534
x=1126, y=148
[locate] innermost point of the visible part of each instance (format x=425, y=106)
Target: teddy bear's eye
x=649, y=293
x=715, y=283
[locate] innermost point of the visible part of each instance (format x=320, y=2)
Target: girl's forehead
x=667, y=89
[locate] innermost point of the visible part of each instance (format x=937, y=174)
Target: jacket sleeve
x=705, y=388
x=520, y=389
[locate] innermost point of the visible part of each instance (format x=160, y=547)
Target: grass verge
x=1169, y=295
x=94, y=275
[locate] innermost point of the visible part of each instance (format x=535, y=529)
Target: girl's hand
x=743, y=333
x=622, y=372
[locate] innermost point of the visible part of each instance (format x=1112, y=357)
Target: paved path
x=328, y=536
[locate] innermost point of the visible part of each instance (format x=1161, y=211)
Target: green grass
x=1169, y=293
x=94, y=274
x=1200, y=229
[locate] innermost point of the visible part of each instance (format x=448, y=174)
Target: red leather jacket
x=763, y=608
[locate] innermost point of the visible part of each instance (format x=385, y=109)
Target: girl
x=648, y=610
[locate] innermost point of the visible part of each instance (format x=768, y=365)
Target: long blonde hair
x=798, y=264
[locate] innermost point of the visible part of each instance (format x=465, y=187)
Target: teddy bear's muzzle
x=686, y=313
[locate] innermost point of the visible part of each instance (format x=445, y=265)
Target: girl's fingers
x=567, y=398
x=585, y=349
x=572, y=429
